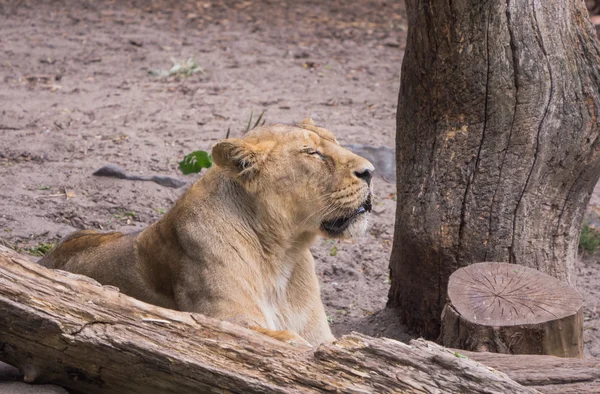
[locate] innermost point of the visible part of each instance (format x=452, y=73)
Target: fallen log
x=66, y=329
x=513, y=309
x=63, y=329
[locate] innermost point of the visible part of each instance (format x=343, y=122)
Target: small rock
x=391, y=43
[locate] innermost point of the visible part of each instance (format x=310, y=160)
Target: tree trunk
x=66, y=329
x=497, y=143
x=508, y=308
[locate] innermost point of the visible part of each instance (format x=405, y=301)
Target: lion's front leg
x=283, y=335
x=234, y=311
x=287, y=336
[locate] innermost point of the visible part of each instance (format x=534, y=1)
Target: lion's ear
x=236, y=156
x=307, y=121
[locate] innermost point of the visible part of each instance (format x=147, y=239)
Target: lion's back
x=102, y=256
x=78, y=246
x=109, y=258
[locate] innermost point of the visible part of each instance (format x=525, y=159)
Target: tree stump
x=509, y=308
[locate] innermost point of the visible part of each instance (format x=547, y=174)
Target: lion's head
x=300, y=177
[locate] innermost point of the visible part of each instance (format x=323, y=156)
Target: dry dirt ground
x=76, y=94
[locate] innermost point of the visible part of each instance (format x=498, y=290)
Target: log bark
x=547, y=374
x=65, y=329
x=497, y=143
x=508, y=308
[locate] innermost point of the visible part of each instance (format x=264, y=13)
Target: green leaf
x=195, y=162
x=333, y=251
x=457, y=354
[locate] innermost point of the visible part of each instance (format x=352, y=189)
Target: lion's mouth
x=339, y=225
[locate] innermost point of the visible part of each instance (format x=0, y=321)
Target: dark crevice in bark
x=540, y=40
x=439, y=262
x=88, y=324
x=432, y=160
x=452, y=22
x=561, y=213
x=515, y=73
x=430, y=180
x=473, y=175
x=431, y=25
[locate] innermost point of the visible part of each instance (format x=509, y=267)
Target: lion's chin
x=355, y=226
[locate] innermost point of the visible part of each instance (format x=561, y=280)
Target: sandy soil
x=76, y=95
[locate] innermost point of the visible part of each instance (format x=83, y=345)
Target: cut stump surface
x=509, y=308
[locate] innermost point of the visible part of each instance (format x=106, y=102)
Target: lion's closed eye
x=313, y=152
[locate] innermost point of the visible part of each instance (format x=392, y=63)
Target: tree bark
x=508, y=308
x=497, y=143
x=66, y=329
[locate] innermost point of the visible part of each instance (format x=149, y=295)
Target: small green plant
x=40, y=249
x=589, y=239
x=256, y=124
x=329, y=319
x=125, y=215
x=333, y=251
x=185, y=68
x=194, y=162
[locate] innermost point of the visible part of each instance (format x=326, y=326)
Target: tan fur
x=236, y=245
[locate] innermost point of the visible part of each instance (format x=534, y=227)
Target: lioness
x=236, y=245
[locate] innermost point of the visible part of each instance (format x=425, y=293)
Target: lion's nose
x=365, y=174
